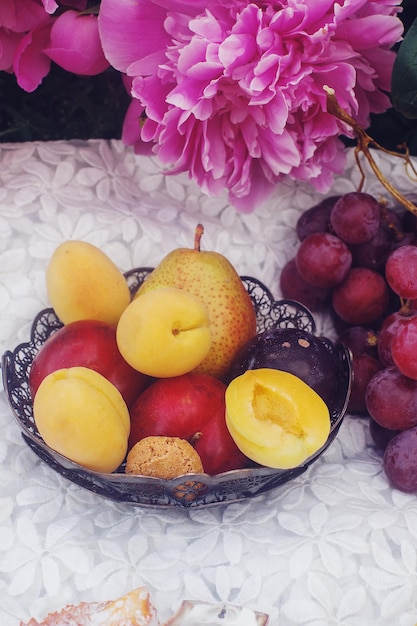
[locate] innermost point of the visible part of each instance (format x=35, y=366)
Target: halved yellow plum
x=275, y=418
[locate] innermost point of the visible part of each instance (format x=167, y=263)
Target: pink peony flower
x=75, y=44
x=233, y=90
x=25, y=27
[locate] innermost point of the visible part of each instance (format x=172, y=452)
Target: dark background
x=66, y=106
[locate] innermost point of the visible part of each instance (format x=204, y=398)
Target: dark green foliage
x=64, y=106
x=404, y=76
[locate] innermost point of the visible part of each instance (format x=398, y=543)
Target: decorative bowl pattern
x=190, y=490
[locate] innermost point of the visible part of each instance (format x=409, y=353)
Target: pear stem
x=364, y=142
x=197, y=237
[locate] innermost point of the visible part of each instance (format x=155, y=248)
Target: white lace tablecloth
x=337, y=546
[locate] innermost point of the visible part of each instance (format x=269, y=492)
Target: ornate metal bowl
x=190, y=490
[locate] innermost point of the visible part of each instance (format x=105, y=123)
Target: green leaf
x=404, y=75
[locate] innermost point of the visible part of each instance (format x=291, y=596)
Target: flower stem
x=364, y=142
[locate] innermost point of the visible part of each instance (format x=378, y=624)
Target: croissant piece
x=132, y=609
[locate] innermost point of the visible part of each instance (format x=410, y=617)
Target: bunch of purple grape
x=358, y=258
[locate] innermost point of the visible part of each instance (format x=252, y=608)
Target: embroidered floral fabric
x=335, y=546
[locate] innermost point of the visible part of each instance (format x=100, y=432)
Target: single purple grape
x=316, y=219
x=362, y=298
x=356, y=217
x=323, y=260
x=373, y=253
x=364, y=368
x=294, y=287
x=360, y=340
x=400, y=460
x=401, y=271
x=391, y=399
x=387, y=332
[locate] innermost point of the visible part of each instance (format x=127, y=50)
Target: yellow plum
x=82, y=283
x=83, y=416
x=164, y=332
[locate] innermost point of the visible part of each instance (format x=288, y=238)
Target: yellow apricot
x=82, y=415
x=82, y=282
x=275, y=418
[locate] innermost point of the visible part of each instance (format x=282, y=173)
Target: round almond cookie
x=163, y=457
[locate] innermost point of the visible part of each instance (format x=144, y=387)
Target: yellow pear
x=212, y=278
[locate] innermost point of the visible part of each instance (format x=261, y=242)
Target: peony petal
x=192, y=62
x=130, y=31
x=75, y=44
x=237, y=50
x=22, y=16
x=131, y=131
x=50, y=6
x=259, y=190
x=148, y=91
x=31, y=65
x=364, y=32
x=281, y=155
x=8, y=45
x=8, y=15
